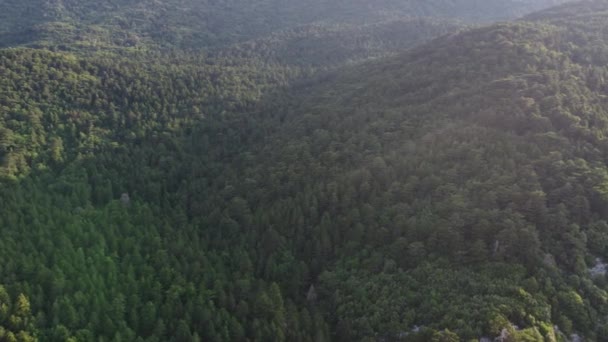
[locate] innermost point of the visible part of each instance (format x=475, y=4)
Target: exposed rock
x=599, y=269
x=496, y=247
x=556, y=335
x=576, y=338
x=311, y=296
x=125, y=199
x=549, y=261
x=504, y=336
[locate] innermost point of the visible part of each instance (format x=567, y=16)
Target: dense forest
x=325, y=46
x=351, y=180
x=195, y=24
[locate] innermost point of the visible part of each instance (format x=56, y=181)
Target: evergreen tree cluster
x=449, y=192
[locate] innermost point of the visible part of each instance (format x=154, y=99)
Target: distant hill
x=194, y=24
x=331, y=45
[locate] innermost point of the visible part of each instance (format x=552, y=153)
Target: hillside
x=453, y=191
x=198, y=24
x=466, y=179
x=325, y=45
x=92, y=155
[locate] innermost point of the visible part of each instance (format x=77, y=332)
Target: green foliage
x=445, y=336
x=104, y=24
x=16, y=319
x=325, y=45
x=450, y=192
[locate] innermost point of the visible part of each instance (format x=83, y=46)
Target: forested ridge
x=283, y=188
x=196, y=24
x=326, y=46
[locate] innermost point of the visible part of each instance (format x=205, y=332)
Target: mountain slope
x=327, y=46
x=195, y=24
x=92, y=152
x=472, y=167
x=447, y=192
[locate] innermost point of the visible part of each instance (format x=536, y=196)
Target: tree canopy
x=452, y=191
